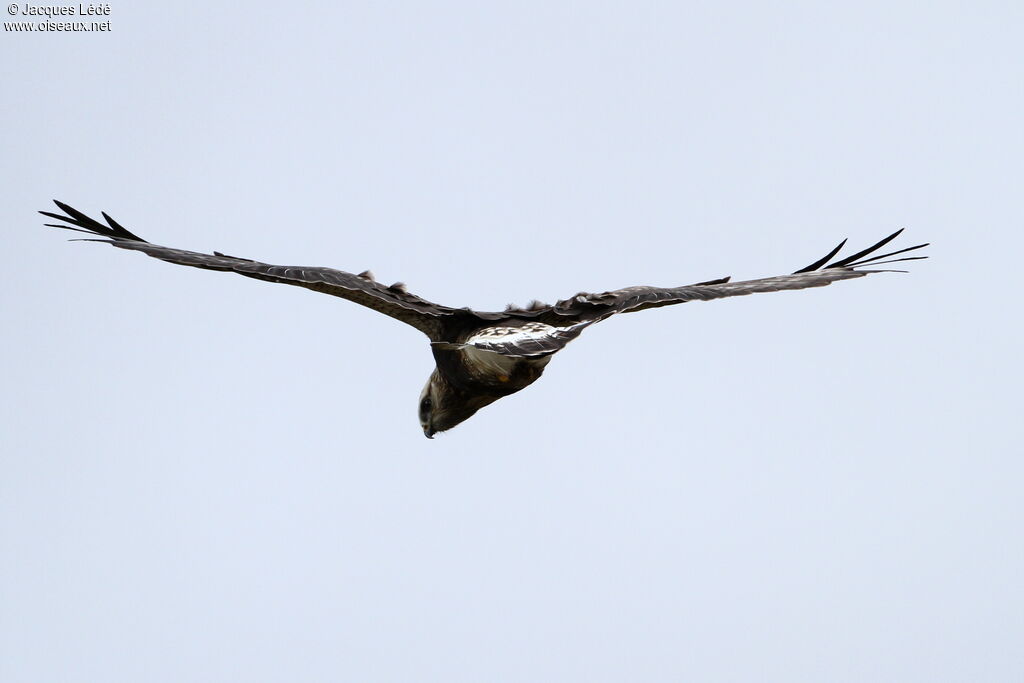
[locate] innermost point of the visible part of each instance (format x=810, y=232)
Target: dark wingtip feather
x=120, y=229
x=855, y=260
x=895, y=260
x=83, y=223
x=68, y=227
x=49, y=214
x=822, y=261
x=73, y=212
x=873, y=259
x=845, y=262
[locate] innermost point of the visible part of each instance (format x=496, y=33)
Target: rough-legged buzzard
x=481, y=357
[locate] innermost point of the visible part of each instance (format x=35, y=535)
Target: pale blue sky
x=206, y=478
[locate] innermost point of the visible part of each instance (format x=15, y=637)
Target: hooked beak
x=428, y=432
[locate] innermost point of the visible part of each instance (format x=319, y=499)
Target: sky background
x=207, y=478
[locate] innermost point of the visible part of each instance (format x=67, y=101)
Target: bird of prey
x=481, y=357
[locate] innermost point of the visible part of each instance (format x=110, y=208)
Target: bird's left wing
x=541, y=329
x=392, y=300
x=818, y=274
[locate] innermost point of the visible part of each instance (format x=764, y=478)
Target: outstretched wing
x=818, y=274
x=541, y=330
x=392, y=300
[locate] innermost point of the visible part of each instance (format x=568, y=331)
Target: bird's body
x=481, y=357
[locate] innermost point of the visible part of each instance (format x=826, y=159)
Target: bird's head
x=442, y=406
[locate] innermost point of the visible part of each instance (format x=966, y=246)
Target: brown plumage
x=483, y=356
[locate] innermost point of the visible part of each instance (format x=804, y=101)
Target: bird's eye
x=425, y=405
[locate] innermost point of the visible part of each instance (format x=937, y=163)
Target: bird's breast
x=487, y=373
x=496, y=368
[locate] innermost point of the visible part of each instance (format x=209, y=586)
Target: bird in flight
x=481, y=357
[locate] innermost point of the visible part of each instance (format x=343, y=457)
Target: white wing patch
x=511, y=335
x=530, y=340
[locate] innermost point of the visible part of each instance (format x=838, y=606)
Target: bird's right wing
x=392, y=300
